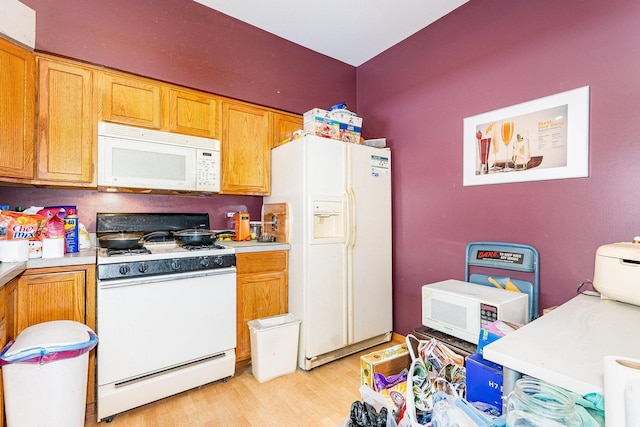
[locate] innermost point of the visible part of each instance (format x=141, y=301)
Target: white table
x=566, y=346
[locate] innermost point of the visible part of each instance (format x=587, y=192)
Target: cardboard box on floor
x=389, y=361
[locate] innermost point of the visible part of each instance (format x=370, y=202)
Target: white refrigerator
x=339, y=200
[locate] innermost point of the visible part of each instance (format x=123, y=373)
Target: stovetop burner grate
x=133, y=251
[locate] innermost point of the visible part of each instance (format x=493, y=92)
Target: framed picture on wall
x=546, y=138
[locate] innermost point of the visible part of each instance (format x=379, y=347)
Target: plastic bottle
x=71, y=232
x=535, y=403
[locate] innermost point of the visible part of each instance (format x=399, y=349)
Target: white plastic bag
x=418, y=381
x=429, y=361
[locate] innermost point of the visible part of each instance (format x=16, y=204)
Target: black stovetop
x=107, y=223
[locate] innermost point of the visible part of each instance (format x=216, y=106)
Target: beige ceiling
x=352, y=31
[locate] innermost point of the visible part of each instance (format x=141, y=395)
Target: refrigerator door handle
x=351, y=218
x=350, y=241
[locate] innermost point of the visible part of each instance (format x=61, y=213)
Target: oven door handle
x=118, y=283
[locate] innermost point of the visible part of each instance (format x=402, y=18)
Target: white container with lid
x=15, y=250
x=617, y=271
x=53, y=247
x=274, y=346
x=44, y=373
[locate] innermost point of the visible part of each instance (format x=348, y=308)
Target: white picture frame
x=548, y=139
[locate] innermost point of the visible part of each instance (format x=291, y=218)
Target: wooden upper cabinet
x=246, y=144
x=131, y=101
x=17, y=116
x=53, y=141
x=194, y=113
x=284, y=126
x=66, y=144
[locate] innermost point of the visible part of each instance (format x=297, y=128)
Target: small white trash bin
x=44, y=373
x=274, y=346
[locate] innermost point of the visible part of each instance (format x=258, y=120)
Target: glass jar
x=535, y=403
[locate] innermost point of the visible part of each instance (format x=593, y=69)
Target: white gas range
x=166, y=314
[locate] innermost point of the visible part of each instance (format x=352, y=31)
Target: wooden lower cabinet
x=3, y=342
x=262, y=283
x=56, y=293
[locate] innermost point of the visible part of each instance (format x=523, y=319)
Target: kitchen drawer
x=261, y=262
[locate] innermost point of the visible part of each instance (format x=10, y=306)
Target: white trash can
x=44, y=373
x=274, y=346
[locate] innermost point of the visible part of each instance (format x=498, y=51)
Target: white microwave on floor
x=461, y=309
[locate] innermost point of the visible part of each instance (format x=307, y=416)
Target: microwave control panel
x=488, y=314
x=208, y=171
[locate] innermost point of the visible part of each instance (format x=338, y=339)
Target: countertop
x=566, y=346
x=9, y=270
x=254, y=246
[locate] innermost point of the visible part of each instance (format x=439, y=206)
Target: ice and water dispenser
x=328, y=220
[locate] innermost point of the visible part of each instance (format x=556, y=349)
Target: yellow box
x=390, y=361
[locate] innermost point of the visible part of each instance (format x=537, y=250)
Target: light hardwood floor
x=321, y=397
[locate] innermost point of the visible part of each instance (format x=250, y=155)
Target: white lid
x=57, y=333
x=622, y=250
x=273, y=321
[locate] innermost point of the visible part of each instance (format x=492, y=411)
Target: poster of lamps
x=546, y=138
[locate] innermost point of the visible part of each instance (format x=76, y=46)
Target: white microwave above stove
x=131, y=157
x=461, y=309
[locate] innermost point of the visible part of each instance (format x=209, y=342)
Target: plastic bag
x=40, y=355
x=364, y=414
x=54, y=222
x=394, y=390
x=379, y=402
x=434, y=368
x=448, y=411
x=419, y=399
x=18, y=225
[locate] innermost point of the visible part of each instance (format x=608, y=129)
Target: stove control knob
x=204, y=262
x=175, y=265
x=124, y=269
x=143, y=268
x=218, y=261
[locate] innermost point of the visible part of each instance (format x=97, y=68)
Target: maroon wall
x=184, y=42
x=91, y=202
x=487, y=55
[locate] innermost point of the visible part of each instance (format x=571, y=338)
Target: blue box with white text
x=484, y=381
